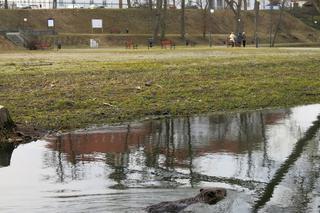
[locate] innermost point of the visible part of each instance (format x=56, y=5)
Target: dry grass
x=77, y=88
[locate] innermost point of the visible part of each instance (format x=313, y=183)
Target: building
x=70, y=4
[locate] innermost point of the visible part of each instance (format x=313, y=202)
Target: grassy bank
x=78, y=88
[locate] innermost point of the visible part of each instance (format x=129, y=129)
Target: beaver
x=207, y=195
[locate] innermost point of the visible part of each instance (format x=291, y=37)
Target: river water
x=268, y=161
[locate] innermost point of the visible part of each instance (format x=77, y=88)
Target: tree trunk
x=6, y=6
x=210, y=4
x=204, y=19
x=129, y=3
x=278, y=24
x=182, y=20
x=157, y=20
x=54, y=4
x=163, y=19
x=256, y=9
x=238, y=17
x=316, y=4
x=204, y=26
x=120, y=4
x=245, y=5
x=238, y=24
x=150, y=4
x=236, y=7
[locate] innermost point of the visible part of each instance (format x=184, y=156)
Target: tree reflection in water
x=237, y=150
x=167, y=144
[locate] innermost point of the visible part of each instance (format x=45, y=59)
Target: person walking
x=244, y=39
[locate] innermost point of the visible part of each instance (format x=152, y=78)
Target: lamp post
x=314, y=36
x=256, y=8
x=25, y=20
x=210, y=33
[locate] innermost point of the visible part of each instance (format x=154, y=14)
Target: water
x=268, y=160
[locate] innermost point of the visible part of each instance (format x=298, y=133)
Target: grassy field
x=77, y=88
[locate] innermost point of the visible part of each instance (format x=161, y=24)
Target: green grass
x=86, y=87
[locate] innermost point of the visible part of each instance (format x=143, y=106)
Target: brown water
x=268, y=160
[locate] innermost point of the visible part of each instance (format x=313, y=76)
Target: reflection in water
x=178, y=146
x=281, y=172
x=269, y=161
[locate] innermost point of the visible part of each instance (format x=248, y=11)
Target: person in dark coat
x=244, y=39
x=239, y=39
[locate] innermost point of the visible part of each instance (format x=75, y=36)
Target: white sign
x=50, y=23
x=94, y=43
x=96, y=23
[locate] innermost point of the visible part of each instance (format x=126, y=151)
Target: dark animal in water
x=207, y=195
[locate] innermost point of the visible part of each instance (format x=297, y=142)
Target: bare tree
x=163, y=19
x=182, y=20
x=282, y=6
x=245, y=5
x=235, y=6
x=150, y=3
x=204, y=6
x=129, y=3
x=54, y=4
x=316, y=4
x=157, y=20
x=6, y=4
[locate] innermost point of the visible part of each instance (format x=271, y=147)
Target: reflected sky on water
x=268, y=160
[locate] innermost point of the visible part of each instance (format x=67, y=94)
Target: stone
x=6, y=123
x=6, y=150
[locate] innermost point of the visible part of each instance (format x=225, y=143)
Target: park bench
x=38, y=45
x=42, y=45
x=167, y=43
x=232, y=44
x=129, y=44
x=115, y=30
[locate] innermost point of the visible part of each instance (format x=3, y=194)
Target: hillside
x=74, y=25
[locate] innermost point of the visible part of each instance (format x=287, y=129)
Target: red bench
x=167, y=42
x=43, y=45
x=130, y=44
x=38, y=45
